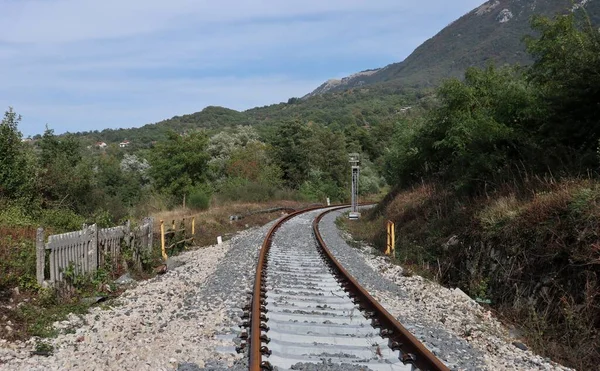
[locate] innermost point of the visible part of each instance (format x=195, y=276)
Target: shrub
x=239, y=189
x=199, y=198
x=15, y=216
x=63, y=220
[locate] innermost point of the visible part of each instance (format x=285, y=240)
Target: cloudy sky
x=84, y=65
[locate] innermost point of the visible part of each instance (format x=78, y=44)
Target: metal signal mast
x=354, y=160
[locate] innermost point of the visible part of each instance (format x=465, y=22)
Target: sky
x=80, y=65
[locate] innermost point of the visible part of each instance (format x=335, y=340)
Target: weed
x=43, y=348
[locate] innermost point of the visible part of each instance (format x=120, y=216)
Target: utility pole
x=354, y=159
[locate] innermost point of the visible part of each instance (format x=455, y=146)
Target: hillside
x=363, y=107
x=491, y=32
x=209, y=118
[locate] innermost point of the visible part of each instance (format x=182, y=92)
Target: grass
x=216, y=222
x=533, y=251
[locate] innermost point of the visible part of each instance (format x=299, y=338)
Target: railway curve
x=310, y=309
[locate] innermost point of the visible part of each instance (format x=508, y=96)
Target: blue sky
x=86, y=65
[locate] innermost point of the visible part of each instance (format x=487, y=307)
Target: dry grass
x=533, y=250
x=499, y=211
x=216, y=220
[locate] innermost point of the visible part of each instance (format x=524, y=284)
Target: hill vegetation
x=497, y=190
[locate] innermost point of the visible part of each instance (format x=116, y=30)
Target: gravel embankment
x=453, y=326
x=185, y=319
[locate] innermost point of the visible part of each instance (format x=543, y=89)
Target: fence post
x=40, y=255
x=391, y=239
x=129, y=238
x=150, y=233
x=162, y=240
x=387, y=238
x=93, y=249
x=193, y=228
x=393, y=227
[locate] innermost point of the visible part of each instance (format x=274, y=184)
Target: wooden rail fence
x=179, y=233
x=89, y=248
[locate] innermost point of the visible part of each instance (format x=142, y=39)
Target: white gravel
x=425, y=305
x=152, y=327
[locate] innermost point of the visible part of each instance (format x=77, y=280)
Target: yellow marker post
x=391, y=239
x=162, y=240
x=193, y=228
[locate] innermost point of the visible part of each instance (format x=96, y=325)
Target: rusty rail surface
x=259, y=291
x=400, y=339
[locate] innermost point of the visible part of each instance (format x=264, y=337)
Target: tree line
x=59, y=180
x=503, y=124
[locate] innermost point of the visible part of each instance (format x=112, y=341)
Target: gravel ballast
x=453, y=326
x=184, y=319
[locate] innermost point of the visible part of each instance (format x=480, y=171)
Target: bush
x=319, y=190
x=239, y=189
x=63, y=220
x=199, y=198
x=15, y=216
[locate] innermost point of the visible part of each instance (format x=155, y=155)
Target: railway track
x=306, y=308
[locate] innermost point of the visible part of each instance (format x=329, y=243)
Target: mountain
x=492, y=32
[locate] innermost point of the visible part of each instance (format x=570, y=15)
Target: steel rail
x=259, y=291
x=413, y=350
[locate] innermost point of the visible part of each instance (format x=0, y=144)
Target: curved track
x=310, y=309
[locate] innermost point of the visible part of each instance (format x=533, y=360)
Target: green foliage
x=481, y=127
x=316, y=189
x=369, y=181
x=199, y=198
x=62, y=220
x=290, y=153
x=43, y=348
x=567, y=61
x=179, y=163
x=14, y=215
x=39, y=319
x=505, y=124
x=240, y=189
x=66, y=177
x=17, y=263
x=16, y=174
x=103, y=219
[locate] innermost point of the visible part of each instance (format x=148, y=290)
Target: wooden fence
x=178, y=234
x=90, y=248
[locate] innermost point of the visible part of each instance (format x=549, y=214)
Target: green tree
x=16, y=174
x=566, y=70
x=481, y=128
x=66, y=177
x=180, y=163
x=328, y=158
x=289, y=151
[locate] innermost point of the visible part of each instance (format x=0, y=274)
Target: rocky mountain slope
x=492, y=32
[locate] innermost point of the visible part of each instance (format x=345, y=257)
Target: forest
x=505, y=161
